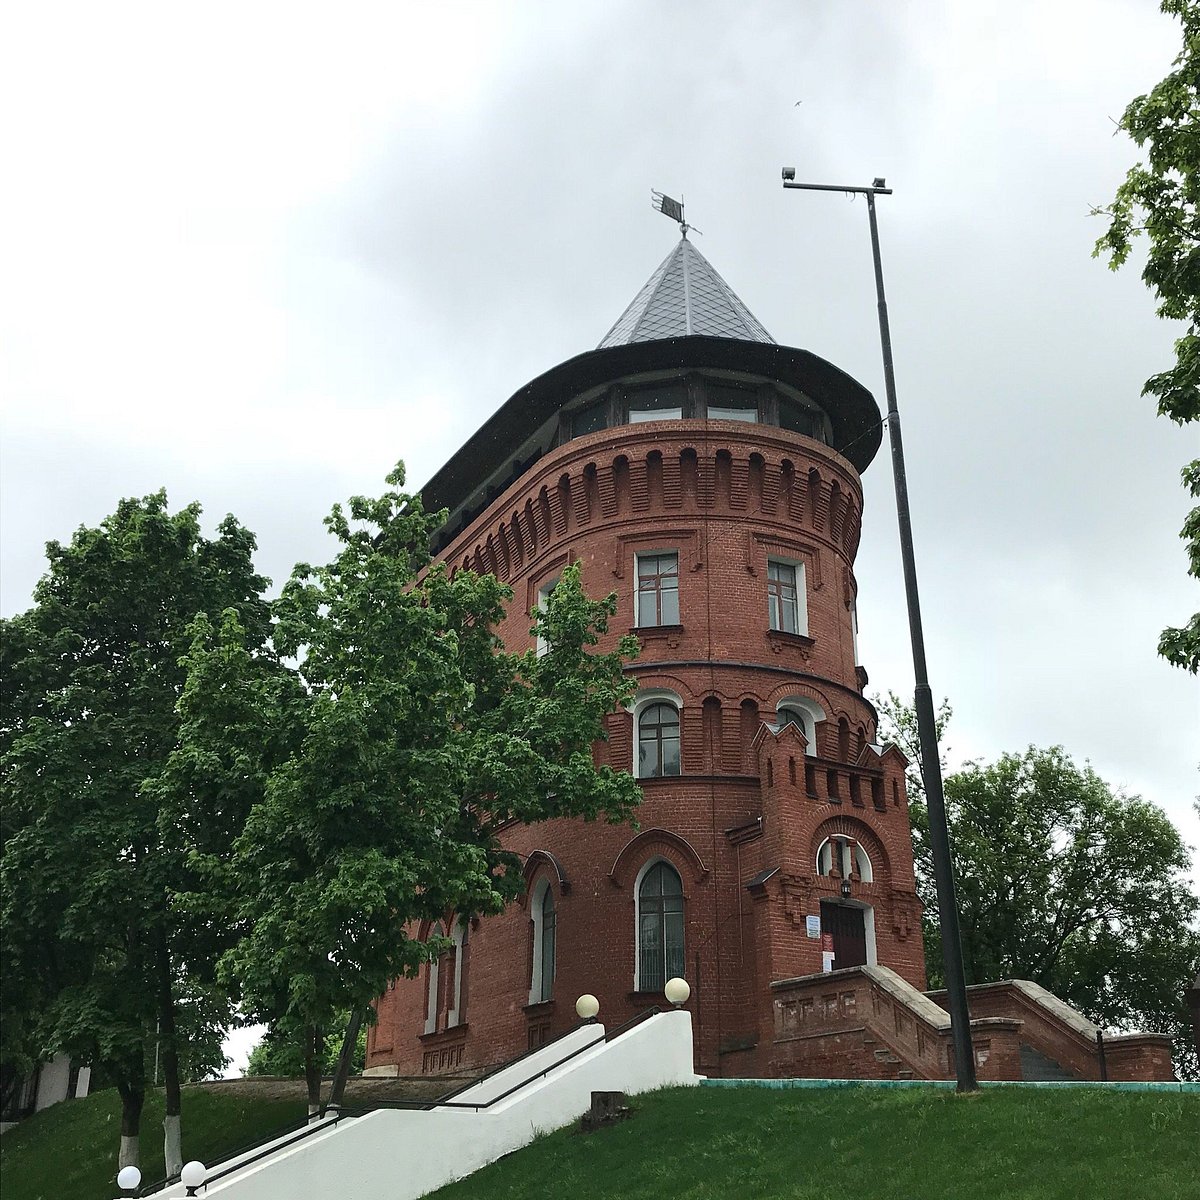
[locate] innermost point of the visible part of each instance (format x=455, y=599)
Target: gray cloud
x=257, y=270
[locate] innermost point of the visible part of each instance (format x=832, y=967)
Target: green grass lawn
x=914, y=1144
x=69, y=1151
x=703, y=1143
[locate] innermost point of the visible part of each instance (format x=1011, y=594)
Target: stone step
x=1037, y=1067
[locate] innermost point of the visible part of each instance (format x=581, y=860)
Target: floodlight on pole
x=931, y=769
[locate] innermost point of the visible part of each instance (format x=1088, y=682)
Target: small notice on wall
x=812, y=926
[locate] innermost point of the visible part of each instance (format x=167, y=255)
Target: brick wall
x=727, y=498
x=1060, y=1033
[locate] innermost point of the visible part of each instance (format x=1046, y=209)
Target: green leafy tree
x=1065, y=882
x=1161, y=199
x=94, y=950
x=279, y=1053
x=1077, y=887
x=378, y=748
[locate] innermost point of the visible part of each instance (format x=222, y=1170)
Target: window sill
x=542, y=1008
x=461, y=1027
x=650, y=998
x=644, y=779
x=779, y=639
x=671, y=634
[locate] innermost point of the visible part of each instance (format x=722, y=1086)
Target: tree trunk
x=313, y=1043
x=133, y=1096
x=172, y=1124
x=349, y=1045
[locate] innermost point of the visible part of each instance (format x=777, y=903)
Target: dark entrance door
x=849, y=930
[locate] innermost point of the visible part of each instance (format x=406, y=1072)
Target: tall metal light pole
x=931, y=768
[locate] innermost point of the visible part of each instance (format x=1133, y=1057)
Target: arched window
x=457, y=1014
x=805, y=715
x=836, y=854
x=444, y=1000
x=543, y=599
x=658, y=741
x=659, y=926
x=431, y=991
x=545, y=920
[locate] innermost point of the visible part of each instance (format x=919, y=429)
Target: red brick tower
x=711, y=478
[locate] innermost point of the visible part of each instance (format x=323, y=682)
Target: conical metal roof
x=685, y=297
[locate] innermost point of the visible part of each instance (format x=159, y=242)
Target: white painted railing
x=404, y=1154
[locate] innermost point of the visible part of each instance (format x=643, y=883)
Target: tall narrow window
x=543, y=597
x=657, y=589
x=432, y=990
x=658, y=741
x=660, y=927
x=549, y=920
x=457, y=1014
x=543, y=917
x=784, y=581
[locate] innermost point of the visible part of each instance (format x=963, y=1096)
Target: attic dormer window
x=658, y=402
x=800, y=419
x=590, y=419
x=727, y=402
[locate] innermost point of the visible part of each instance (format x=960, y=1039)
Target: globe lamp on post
x=128, y=1178
x=677, y=991
x=587, y=1006
x=193, y=1176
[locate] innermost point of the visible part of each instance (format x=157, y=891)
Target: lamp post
x=931, y=769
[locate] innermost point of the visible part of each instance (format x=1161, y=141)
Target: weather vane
x=671, y=208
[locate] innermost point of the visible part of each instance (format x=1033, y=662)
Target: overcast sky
x=257, y=253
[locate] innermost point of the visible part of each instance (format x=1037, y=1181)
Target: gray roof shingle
x=685, y=297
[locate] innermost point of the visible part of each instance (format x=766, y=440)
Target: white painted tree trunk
x=129, y=1152
x=172, y=1145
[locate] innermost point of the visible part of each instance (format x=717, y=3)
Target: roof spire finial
x=671, y=208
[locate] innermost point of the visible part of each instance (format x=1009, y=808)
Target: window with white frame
x=545, y=930
x=431, y=993
x=659, y=926
x=456, y=1015
x=444, y=993
x=791, y=714
x=657, y=740
x=658, y=589
x=787, y=608
x=843, y=852
x=543, y=596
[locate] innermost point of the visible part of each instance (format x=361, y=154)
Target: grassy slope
x=903, y=1145
x=70, y=1149
x=697, y=1144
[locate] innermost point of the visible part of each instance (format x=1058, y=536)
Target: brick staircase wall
x=1057, y=1031
x=869, y=1023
